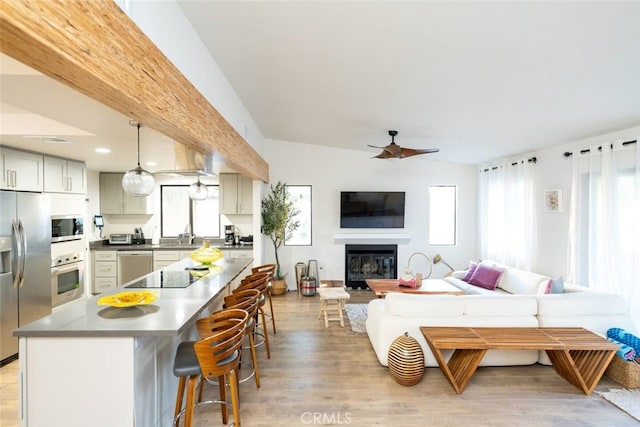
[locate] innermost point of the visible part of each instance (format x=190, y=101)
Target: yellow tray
x=128, y=299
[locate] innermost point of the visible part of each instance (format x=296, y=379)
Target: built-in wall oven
x=66, y=227
x=67, y=278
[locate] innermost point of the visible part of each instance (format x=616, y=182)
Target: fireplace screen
x=364, y=262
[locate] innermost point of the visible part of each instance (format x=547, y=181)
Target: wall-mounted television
x=372, y=209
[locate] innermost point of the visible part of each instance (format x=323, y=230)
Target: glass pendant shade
x=198, y=191
x=138, y=182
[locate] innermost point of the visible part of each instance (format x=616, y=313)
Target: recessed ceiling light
x=150, y=163
x=102, y=150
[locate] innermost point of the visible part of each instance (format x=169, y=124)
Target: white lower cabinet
x=105, y=271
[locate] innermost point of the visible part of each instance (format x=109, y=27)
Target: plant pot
x=278, y=287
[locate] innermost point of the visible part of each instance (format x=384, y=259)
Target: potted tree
x=278, y=224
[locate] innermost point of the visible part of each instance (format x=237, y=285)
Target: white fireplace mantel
x=371, y=238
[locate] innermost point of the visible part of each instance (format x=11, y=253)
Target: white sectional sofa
x=514, y=303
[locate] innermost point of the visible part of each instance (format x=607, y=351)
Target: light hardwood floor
x=319, y=376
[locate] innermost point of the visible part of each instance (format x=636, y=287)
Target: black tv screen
x=372, y=209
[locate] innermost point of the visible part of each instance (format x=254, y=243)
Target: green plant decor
x=278, y=221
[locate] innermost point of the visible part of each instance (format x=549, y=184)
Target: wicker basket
x=623, y=372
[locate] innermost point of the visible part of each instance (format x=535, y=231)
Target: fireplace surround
x=364, y=262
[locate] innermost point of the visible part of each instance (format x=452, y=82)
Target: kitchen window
x=178, y=211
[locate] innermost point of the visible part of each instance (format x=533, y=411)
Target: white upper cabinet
x=21, y=170
x=64, y=176
x=236, y=193
x=113, y=199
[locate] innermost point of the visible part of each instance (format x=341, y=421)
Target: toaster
x=119, y=239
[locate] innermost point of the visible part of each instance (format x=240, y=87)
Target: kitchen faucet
x=187, y=233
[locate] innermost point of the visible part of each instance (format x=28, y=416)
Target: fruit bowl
x=206, y=254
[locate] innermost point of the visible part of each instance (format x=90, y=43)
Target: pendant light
x=137, y=182
x=198, y=191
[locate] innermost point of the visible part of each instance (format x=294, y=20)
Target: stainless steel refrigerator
x=25, y=263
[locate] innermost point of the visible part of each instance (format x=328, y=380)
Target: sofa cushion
x=521, y=282
x=580, y=304
x=474, y=290
x=486, y=276
x=498, y=306
x=459, y=274
x=472, y=267
x=544, y=288
x=412, y=305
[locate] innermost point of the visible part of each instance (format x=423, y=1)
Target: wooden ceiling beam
x=96, y=49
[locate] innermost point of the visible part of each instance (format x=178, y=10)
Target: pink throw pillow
x=486, y=276
x=472, y=267
x=545, y=287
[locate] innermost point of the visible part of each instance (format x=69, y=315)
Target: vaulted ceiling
x=479, y=80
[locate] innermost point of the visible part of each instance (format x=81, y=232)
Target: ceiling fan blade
x=394, y=151
x=408, y=152
x=384, y=155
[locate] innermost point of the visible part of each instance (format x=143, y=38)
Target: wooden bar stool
x=271, y=269
x=258, y=281
x=215, y=356
x=247, y=300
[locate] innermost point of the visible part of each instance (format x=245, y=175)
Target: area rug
x=627, y=400
x=357, y=314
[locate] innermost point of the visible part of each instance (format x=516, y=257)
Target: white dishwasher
x=133, y=264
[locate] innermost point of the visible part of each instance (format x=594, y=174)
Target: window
x=442, y=215
x=300, y=195
x=604, y=222
x=506, y=206
x=178, y=211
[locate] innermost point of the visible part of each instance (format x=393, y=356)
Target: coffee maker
x=229, y=235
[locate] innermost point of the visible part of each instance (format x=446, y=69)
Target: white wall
x=553, y=171
x=331, y=170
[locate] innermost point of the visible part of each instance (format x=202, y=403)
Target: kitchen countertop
x=103, y=245
x=173, y=311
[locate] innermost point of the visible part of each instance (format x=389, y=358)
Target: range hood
x=189, y=162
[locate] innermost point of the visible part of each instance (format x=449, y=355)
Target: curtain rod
x=533, y=160
x=570, y=153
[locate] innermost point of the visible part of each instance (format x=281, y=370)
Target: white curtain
x=604, y=223
x=507, y=214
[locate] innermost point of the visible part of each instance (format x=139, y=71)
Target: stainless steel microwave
x=66, y=227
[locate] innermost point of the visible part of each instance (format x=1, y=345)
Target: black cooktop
x=165, y=279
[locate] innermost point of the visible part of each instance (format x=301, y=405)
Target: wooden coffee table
x=381, y=287
x=577, y=355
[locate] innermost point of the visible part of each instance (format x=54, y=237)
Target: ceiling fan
x=394, y=151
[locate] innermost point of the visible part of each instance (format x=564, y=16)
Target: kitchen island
x=105, y=366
